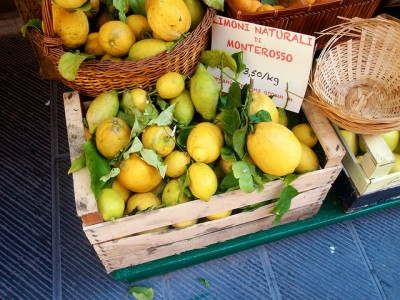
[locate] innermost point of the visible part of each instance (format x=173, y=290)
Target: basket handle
x=50, y=40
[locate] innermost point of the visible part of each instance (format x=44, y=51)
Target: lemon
x=158, y=138
x=397, y=149
x=92, y=45
x=283, y=118
x=108, y=57
x=116, y=38
x=203, y=181
x=70, y=4
x=169, y=19
x=147, y=4
x=139, y=25
x=159, y=188
x=110, y=205
x=170, y=195
x=111, y=136
x=261, y=101
x=359, y=158
x=204, y=142
x=71, y=27
x=351, y=140
x=226, y=166
x=124, y=192
x=197, y=12
x=255, y=5
x=94, y=9
x=396, y=166
x=219, y=215
x=184, y=224
x=176, y=163
x=184, y=108
x=147, y=48
x=137, y=98
x=104, y=106
x=142, y=201
x=309, y=160
x=138, y=176
x=391, y=138
x=274, y=148
x=305, y=134
x=170, y=85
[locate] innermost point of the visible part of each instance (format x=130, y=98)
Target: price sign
x=274, y=58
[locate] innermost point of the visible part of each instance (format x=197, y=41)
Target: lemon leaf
x=290, y=178
x=135, y=146
x=230, y=119
x=228, y=154
x=138, y=6
x=85, y=7
x=129, y=119
x=165, y=118
x=229, y=183
x=98, y=167
x=141, y=292
x=113, y=173
x=261, y=116
x=211, y=58
x=228, y=61
x=77, y=164
x=120, y=5
x=240, y=65
x=216, y=4
x=184, y=181
x=234, y=96
x=35, y=23
x=69, y=64
x=239, y=141
x=284, y=202
x=153, y=159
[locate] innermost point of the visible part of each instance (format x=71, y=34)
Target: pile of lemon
x=95, y=28
x=272, y=146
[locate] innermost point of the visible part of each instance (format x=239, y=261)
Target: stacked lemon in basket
x=183, y=140
x=114, y=33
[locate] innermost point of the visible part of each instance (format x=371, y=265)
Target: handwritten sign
x=274, y=58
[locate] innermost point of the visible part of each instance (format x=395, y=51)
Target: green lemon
x=111, y=205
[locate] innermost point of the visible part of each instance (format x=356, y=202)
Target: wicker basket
x=95, y=77
x=309, y=19
x=356, y=79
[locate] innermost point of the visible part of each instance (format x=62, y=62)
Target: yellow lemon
x=170, y=85
x=71, y=27
x=184, y=108
x=139, y=25
x=242, y=5
x=197, y=12
x=391, y=138
x=203, y=181
x=274, y=149
x=184, y=224
x=309, y=160
x=255, y=5
x=226, y=166
x=305, y=134
x=70, y=4
x=94, y=9
x=124, y=192
x=265, y=7
x=359, y=158
x=110, y=205
x=137, y=175
x=137, y=98
x=158, y=138
x=116, y=38
x=112, y=135
x=170, y=195
x=396, y=166
x=169, y=19
x=142, y=201
x=176, y=163
x=204, y=142
x=104, y=106
x=147, y=48
x=92, y=45
x=219, y=215
x=108, y=57
x=147, y=4
x=351, y=140
x=261, y=101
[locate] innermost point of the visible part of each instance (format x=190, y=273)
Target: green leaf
x=138, y=7
x=260, y=116
x=35, y=23
x=245, y=172
x=240, y=65
x=85, y=7
x=228, y=61
x=255, y=206
x=290, y=178
x=120, y=5
x=204, y=281
x=229, y=182
x=184, y=181
x=234, y=96
x=69, y=64
x=136, y=146
x=141, y=292
x=113, y=173
x=230, y=119
x=98, y=167
x=77, y=164
x=153, y=159
x=129, y=119
x=246, y=183
x=211, y=58
x=161, y=103
x=239, y=141
x=216, y=4
x=284, y=202
x=165, y=118
x=228, y=154
x=268, y=178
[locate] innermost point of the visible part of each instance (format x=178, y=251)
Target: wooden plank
x=197, y=209
x=211, y=238
x=332, y=145
x=85, y=201
x=141, y=242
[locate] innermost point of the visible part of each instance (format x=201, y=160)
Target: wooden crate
x=372, y=173
x=119, y=245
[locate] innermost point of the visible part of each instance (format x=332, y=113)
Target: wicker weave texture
x=356, y=79
x=95, y=77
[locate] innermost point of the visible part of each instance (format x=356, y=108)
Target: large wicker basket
x=96, y=76
x=356, y=80
x=309, y=19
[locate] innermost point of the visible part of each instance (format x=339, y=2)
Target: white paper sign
x=274, y=58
